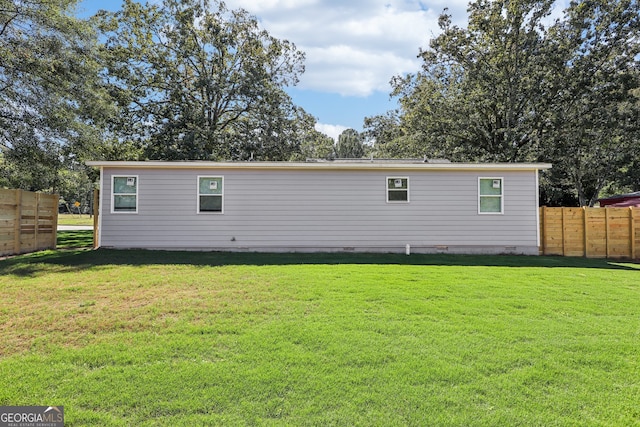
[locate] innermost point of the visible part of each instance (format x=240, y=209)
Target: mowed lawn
x=143, y=338
x=75, y=219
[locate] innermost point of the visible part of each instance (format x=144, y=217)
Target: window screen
x=210, y=194
x=397, y=189
x=490, y=195
x=125, y=194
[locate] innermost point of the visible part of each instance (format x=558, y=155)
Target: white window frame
x=501, y=195
x=387, y=189
x=114, y=194
x=221, y=195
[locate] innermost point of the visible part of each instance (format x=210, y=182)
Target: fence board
x=634, y=232
x=28, y=221
x=590, y=232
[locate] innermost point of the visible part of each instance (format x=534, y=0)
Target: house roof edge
x=360, y=165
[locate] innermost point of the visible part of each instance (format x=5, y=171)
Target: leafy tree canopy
x=198, y=81
x=350, y=145
x=51, y=100
x=515, y=86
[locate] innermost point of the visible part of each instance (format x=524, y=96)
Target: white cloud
x=257, y=7
x=347, y=70
x=333, y=131
x=352, y=48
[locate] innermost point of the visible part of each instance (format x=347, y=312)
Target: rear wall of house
x=322, y=210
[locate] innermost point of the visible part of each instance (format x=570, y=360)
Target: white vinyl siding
x=320, y=210
x=125, y=194
x=397, y=190
x=210, y=194
x=490, y=195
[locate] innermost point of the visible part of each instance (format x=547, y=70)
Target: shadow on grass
x=75, y=239
x=74, y=253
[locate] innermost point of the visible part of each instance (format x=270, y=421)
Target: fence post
x=55, y=200
x=36, y=222
x=606, y=231
x=17, y=225
x=542, y=228
x=564, y=227
x=585, y=219
x=632, y=231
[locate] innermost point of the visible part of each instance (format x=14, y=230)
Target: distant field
x=74, y=219
x=150, y=338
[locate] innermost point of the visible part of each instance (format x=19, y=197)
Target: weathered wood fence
x=590, y=232
x=28, y=221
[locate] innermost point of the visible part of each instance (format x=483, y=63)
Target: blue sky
x=353, y=48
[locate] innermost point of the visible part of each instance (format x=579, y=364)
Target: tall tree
x=510, y=88
x=198, y=81
x=631, y=171
x=477, y=92
x=350, y=145
x=51, y=100
x=387, y=138
x=315, y=145
x=593, y=119
x=274, y=131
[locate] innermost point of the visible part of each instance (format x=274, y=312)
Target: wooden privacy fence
x=590, y=232
x=28, y=221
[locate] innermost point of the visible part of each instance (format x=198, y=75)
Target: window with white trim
x=124, y=194
x=490, y=195
x=210, y=194
x=397, y=190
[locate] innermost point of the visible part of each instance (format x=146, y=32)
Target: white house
x=361, y=206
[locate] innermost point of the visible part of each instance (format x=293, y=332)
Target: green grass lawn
x=75, y=219
x=144, y=338
x=75, y=239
